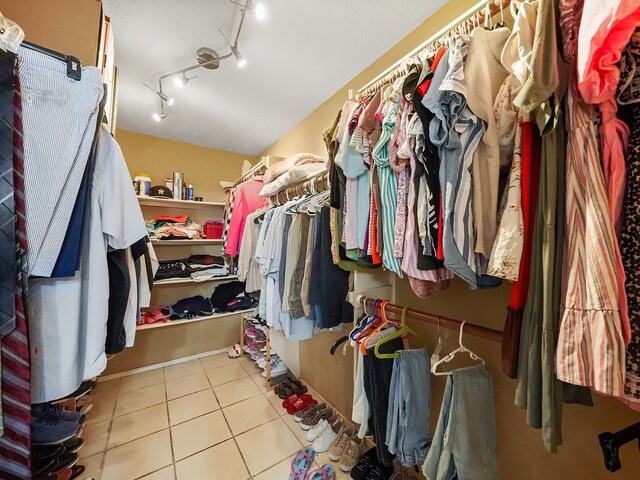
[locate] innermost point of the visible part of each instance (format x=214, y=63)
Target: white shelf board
x=184, y=204
x=200, y=241
x=176, y=281
x=171, y=323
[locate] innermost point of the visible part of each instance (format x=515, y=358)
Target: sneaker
x=278, y=369
x=340, y=446
x=316, y=430
x=314, y=417
x=50, y=430
x=329, y=435
x=298, y=416
x=66, y=415
x=350, y=457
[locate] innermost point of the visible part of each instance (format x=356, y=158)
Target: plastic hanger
x=443, y=336
x=360, y=327
x=11, y=35
x=404, y=329
x=372, y=328
x=379, y=331
x=460, y=349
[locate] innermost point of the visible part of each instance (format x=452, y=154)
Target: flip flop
x=301, y=404
x=325, y=472
x=293, y=398
x=301, y=464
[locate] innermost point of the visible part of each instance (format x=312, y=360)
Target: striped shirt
x=388, y=184
x=591, y=348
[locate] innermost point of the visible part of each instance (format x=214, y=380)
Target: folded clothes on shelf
x=197, y=267
x=174, y=228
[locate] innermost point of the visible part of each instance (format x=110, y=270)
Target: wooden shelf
x=171, y=323
x=200, y=241
x=183, y=204
x=177, y=281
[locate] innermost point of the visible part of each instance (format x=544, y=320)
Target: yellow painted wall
x=202, y=167
x=520, y=451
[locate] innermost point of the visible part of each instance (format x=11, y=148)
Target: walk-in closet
x=321, y=240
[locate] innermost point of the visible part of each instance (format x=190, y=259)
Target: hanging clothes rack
x=258, y=169
x=316, y=184
x=464, y=22
x=450, y=323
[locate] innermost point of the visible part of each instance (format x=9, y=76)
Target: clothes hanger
x=11, y=35
x=460, y=349
x=442, y=340
x=368, y=333
x=380, y=330
x=404, y=329
x=358, y=328
x=374, y=322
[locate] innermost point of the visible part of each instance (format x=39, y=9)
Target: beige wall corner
x=202, y=167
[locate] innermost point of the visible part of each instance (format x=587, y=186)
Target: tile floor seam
x=173, y=455
x=233, y=437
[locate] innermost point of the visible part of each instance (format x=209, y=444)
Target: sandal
x=301, y=404
x=235, y=351
x=325, y=472
x=301, y=464
x=293, y=398
x=284, y=390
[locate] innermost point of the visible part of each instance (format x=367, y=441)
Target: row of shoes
x=56, y=437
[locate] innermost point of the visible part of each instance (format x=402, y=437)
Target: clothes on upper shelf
x=174, y=228
x=243, y=200
x=197, y=267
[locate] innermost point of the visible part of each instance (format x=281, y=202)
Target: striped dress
x=591, y=348
x=388, y=184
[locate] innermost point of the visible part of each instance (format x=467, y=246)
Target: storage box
x=213, y=229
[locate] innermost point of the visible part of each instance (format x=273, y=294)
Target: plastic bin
x=213, y=229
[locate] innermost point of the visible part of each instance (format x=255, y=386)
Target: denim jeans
x=408, y=435
x=464, y=444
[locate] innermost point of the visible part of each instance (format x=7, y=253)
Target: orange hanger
x=385, y=322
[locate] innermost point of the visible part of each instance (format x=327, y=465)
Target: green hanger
x=404, y=328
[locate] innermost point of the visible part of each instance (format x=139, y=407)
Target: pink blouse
x=246, y=201
x=605, y=29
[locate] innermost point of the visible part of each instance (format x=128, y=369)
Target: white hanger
x=448, y=358
x=11, y=35
x=442, y=340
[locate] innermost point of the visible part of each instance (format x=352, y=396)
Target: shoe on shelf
x=365, y=464
x=350, y=457
x=314, y=417
x=62, y=414
x=323, y=442
x=85, y=387
x=74, y=444
x=298, y=416
x=321, y=426
x=48, y=429
x=76, y=471
x=339, y=447
x=277, y=370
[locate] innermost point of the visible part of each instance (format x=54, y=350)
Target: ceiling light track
x=208, y=58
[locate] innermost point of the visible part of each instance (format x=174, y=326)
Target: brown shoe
x=314, y=417
x=350, y=457
x=340, y=446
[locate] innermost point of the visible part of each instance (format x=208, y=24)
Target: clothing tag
x=74, y=68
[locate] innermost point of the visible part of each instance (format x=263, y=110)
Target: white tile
x=95, y=437
x=222, y=462
x=102, y=410
x=138, y=458
x=295, y=428
x=267, y=445
x=249, y=413
x=182, y=386
x=218, y=360
x=228, y=373
x=199, y=434
x=182, y=369
x=138, y=399
x=164, y=474
x=236, y=391
x=138, y=424
x=109, y=388
x=93, y=466
x=141, y=380
x=276, y=402
x=281, y=471
x=261, y=382
x=192, y=406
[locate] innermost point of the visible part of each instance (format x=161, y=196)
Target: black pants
x=377, y=379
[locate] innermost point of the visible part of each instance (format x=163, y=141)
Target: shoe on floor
x=380, y=472
x=365, y=463
x=298, y=416
x=325, y=472
x=316, y=430
x=339, y=447
x=350, y=457
x=50, y=430
x=323, y=442
x=301, y=464
x=314, y=417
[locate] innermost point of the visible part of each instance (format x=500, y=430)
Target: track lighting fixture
x=208, y=58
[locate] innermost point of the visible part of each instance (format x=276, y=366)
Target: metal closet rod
x=450, y=323
x=319, y=183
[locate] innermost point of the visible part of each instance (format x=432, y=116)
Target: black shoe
x=84, y=388
x=42, y=467
x=380, y=472
x=76, y=471
x=73, y=445
x=47, y=452
x=365, y=463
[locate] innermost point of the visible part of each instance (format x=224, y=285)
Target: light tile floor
x=207, y=419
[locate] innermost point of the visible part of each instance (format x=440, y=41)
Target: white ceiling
x=297, y=58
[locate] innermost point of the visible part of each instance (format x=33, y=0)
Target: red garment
x=531, y=145
x=247, y=201
x=377, y=260
x=424, y=86
x=167, y=218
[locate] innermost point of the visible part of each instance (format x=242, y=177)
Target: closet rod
x=463, y=21
x=450, y=323
x=315, y=184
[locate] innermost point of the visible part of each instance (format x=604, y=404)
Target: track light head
x=159, y=116
x=181, y=81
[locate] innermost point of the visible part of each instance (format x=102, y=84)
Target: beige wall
x=202, y=167
x=520, y=450
x=67, y=26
